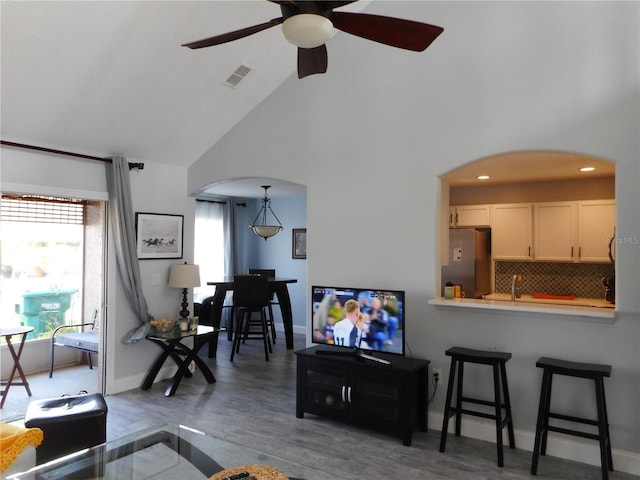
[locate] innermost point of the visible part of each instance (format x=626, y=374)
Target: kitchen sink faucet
x=516, y=286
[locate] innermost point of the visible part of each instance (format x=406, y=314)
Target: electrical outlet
x=437, y=375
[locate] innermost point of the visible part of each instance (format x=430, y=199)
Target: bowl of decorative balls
x=163, y=325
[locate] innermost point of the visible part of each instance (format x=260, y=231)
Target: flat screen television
x=358, y=319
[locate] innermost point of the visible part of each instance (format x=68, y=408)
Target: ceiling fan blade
x=235, y=35
x=396, y=32
x=312, y=60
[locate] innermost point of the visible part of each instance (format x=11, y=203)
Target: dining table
x=277, y=285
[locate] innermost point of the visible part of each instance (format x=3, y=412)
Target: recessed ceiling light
x=587, y=169
x=483, y=177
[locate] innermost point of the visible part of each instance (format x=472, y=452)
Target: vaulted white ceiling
x=111, y=77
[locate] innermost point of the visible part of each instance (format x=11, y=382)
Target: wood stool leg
x=547, y=409
x=540, y=423
x=602, y=429
x=507, y=405
x=459, y=397
x=606, y=423
x=498, y=410
x=272, y=324
x=235, y=347
x=447, y=405
x=265, y=335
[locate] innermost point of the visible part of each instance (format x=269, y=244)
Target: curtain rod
x=139, y=166
x=242, y=204
x=210, y=201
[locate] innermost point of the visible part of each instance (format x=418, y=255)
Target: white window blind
x=41, y=209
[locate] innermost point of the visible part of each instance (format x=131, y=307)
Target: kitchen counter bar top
x=594, y=309
x=576, y=302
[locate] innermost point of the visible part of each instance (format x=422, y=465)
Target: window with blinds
x=41, y=209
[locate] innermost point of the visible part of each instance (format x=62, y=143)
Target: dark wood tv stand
x=392, y=396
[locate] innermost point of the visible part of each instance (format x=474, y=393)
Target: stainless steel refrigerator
x=469, y=261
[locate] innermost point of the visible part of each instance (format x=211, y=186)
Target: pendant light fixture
x=263, y=229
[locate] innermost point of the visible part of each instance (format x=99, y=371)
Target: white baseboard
x=558, y=445
x=134, y=381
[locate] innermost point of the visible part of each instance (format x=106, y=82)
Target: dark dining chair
x=250, y=296
x=204, y=312
x=269, y=273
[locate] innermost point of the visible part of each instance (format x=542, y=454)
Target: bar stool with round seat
x=590, y=371
x=497, y=360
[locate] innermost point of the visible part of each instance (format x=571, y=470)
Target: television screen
x=358, y=318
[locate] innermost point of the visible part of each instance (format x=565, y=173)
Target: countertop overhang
x=593, y=309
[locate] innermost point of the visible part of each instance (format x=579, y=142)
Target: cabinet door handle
x=529, y=250
x=579, y=252
x=349, y=394
x=571, y=252
x=342, y=394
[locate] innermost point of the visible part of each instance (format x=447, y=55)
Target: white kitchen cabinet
x=596, y=227
x=555, y=231
x=511, y=231
x=470, y=216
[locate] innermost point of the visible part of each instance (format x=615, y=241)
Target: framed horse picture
x=159, y=235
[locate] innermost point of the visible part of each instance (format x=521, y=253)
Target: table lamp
x=184, y=276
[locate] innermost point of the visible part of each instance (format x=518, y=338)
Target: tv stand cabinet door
x=376, y=398
x=322, y=389
x=390, y=399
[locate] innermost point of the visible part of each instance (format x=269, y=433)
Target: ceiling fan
x=309, y=24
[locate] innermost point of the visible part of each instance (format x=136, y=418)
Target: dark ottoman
x=69, y=423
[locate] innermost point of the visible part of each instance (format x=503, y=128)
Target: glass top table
x=173, y=346
x=166, y=452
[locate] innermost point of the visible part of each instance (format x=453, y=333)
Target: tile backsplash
x=581, y=279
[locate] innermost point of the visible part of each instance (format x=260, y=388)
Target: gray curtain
x=229, y=225
x=124, y=235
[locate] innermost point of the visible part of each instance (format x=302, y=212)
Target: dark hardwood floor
x=253, y=403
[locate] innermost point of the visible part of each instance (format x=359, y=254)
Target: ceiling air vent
x=236, y=77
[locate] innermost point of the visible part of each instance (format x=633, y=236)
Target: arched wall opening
x=560, y=204
x=289, y=203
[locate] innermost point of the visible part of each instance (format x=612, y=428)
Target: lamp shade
x=184, y=276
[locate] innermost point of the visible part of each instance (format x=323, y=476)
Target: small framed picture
x=299, y=243
x=159, y=236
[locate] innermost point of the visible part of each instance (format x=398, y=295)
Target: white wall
x=370, y=138
x=156, y=189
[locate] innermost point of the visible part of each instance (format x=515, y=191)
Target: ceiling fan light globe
x=307, y=30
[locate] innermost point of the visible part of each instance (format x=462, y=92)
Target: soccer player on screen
x=347, y=333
